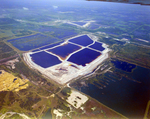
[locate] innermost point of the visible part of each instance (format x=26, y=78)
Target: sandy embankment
x=68, y=72
x=65, y=72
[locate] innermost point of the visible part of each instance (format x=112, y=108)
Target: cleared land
x=9, y=82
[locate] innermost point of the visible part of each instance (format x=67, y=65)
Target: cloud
x=25, y=8
x=66, y=12
x=55, y=7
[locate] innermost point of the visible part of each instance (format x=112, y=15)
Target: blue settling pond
x=84, y=57
x=125, y=66
x=65, y=50
x=97, y=46
x=44, y=59
x=79, y=23
x=51, y=45
x=82, y=40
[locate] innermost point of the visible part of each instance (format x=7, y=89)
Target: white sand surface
x=76, y=99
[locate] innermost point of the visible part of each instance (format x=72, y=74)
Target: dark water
x=65, y=50
x=32, y=42
x=79, y=23
x=59, y=32
x=14, y=79
x=28, y=37
x=84, y=57
x=48, y=115
x=125, y=66
x=51, y=45
x=128, y=97
x=44, y=59
x=97, y=46
x=82, y=40
x=63, y=33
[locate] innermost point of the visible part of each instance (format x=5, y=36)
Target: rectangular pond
x=84, y=57
x=64, y=50
x=58, y=32
x=51, y=45
x=97, y=46
x=45, y=59
x=32, y=42
x=82, y=40
x=63, y=33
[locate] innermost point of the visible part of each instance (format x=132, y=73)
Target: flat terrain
x=8, y=82
x=79, y=61
x=114, y=85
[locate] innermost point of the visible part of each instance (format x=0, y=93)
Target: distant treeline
x=141, y=2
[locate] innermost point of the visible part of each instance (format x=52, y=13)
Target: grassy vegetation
x=15, y=116
x=136, y=54
x=38, y=92
x=6, y=51
x=30, y=101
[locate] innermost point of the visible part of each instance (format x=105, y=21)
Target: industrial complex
x=74, y=57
